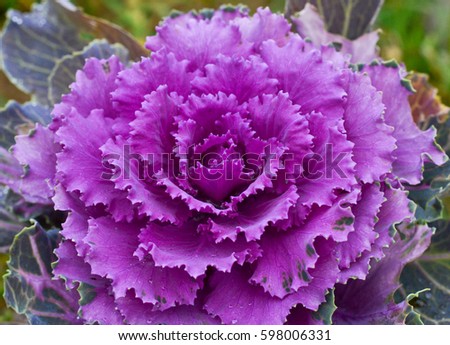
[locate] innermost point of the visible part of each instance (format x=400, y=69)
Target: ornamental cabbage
x=240, y=174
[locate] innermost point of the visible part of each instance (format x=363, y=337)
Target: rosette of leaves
x=116, y=261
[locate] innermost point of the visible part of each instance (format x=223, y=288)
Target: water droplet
x=234, y=322
x=17, y=20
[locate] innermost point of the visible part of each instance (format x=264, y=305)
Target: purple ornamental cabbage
x=238, y=175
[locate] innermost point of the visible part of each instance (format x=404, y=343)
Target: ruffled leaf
x=85, y=95
x=36, y=152
x=294, y=250
x=329, y=167
x=141, y=191
x=75, y=226
x=302, y=316
x=156, y=116
x=63, y=74
x=96, y=303
x=144, y=77
x=236, y=301
x=138, y=313
x=201, y=42
x=276, y=117
x=311, y=82
x=395, y=208
x=184, y=247
x=263, y=26
x=428, y=205
x=361, y=240
x=254, y=216
x=363, y=121
x=371, y=301
x=236, y=76
x=82, y=138
x=163, y=287
x=202, y=115
x=413, y=145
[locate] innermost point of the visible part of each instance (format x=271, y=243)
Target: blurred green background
x=415, y=32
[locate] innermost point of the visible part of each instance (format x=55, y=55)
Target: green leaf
x=16, y=116
x=429, y=207
x=431, y=271
x=412, y=317
x=32, y=43
x=349, y=18
x=326, y=309
x=29, y=285
x=433, y=195
x=87, y=293
x=63, y=73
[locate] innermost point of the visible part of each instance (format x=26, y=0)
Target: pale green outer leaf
x=326, y=309
x=412, y=317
